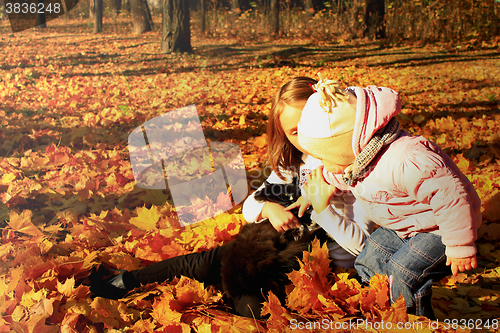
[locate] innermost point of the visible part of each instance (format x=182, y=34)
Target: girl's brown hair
x=281, y=153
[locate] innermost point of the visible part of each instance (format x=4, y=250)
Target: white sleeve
x=252, y=207
x=346, y=221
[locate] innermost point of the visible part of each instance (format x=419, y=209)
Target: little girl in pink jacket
x=428, y=210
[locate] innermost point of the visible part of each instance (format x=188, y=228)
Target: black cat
x=260, y=258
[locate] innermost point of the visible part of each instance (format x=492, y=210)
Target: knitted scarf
x=380, y=139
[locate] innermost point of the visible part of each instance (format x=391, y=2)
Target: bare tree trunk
x=375, y=19
x=98, y=16
x=203, y=15
x=126, y=5
x=68, y=6
x=92, y=9
x=493, y=18
x=141, y=16
x=309, y=7
x=235, y=8
x=66, y=15
x=40, y=22
x=175, y=29
x=235, y=12
x=116, y=7
x=275, y=17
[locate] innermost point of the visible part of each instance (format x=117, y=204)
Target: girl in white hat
x=428, y=210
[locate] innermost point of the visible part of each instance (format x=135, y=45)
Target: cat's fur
x=260, y=258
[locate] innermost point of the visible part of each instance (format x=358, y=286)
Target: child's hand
x=318, y=190
x=280, y=218
x=301, y=203
x=461, y=264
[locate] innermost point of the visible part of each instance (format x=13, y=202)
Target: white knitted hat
x=327, y=123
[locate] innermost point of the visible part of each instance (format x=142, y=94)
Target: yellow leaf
x=113, y=314
x=146, y=218
x=19, y=313
x=67, y=287
x=468, y=139
x=330, y=307
x=124, y=261
x=43, y=308
x=102, y=312
x=82, y=307
x=111, y=180
x=7, y=178
x=462, y=163
x=88, y=262
x=261, y=141
x=32, y=297
x=146, y=254
x=45, y=246
x=249, y=98
x=242, y=120
x=22, y=223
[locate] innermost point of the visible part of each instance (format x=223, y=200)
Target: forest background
x=69, y=99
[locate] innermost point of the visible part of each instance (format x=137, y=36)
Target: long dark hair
x=281, y=153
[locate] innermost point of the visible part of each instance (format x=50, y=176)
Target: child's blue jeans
x=413, y=264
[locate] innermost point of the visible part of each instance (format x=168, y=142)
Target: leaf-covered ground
x=68, y=200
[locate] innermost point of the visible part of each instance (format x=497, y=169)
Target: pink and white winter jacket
x=413, y=186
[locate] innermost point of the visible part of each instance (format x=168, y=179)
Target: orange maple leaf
x=463, y=164
x=344, y=287
x=123, y=260
x=330, y=307
x=43, y=308
x=67, y=287
x=380, y=284
x=163, y=313
x=279, y=316
x=113, y=314
x=22, y=223
x=317, y=264
x=304, y=295
x=69, y=322
x=397, y=312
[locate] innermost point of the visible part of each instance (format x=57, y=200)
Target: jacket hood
x=375, y=107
